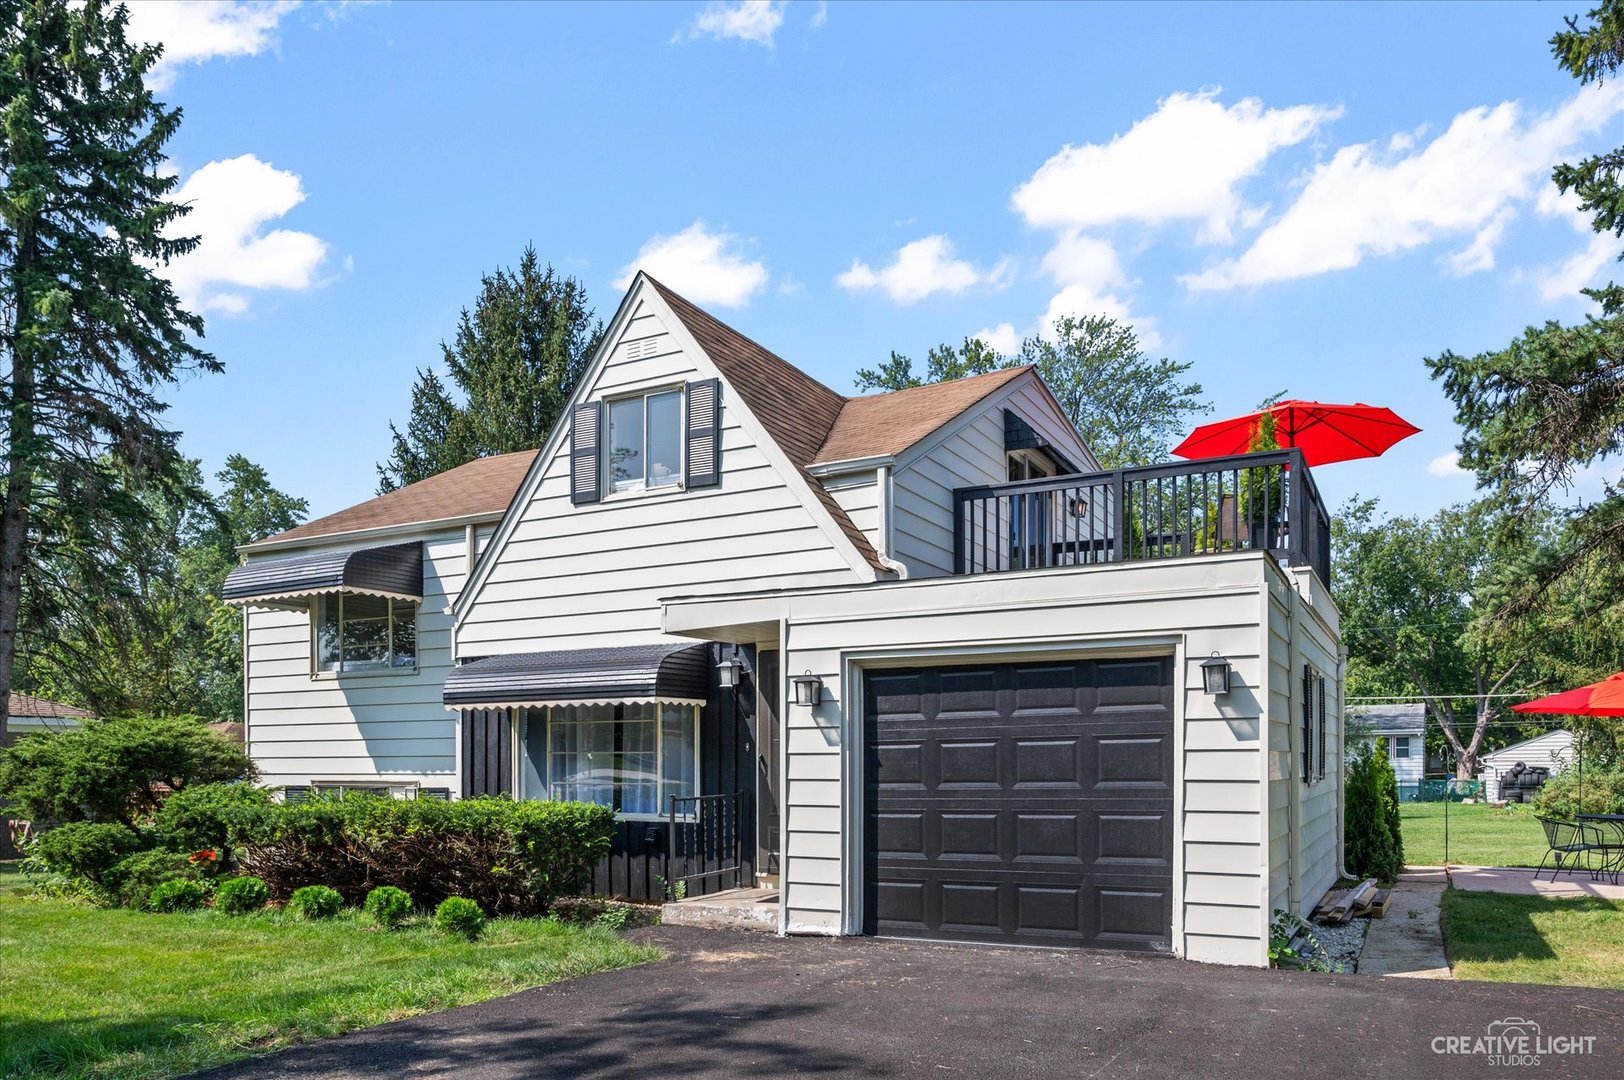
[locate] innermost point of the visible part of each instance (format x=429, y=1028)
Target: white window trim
x=317, y=673
x=659, y=757
x=607, y=492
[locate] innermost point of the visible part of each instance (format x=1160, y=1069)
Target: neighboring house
x=1013, y=737
x=1402, y=729
x=1551, y=752
x=27, y=715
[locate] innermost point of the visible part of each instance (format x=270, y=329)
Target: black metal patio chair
x=1570, y=842
x=1609, y=847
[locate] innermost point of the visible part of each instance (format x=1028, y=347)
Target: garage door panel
x=1048, y=822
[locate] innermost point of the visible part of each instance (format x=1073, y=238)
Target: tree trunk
x=19, y=493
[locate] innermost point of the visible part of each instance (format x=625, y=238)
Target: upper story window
x=1029, y=465
x=364, y=633
x=643, y=449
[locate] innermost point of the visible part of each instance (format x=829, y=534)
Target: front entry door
x=769, y=687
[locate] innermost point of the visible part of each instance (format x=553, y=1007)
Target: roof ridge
x=1005, y=372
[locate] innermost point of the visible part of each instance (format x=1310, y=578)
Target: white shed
x=1552, y=751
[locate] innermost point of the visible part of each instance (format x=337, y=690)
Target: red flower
x=206, y=855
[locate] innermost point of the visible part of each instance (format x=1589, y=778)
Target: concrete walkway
x=1409, y=942
x=1519, y=882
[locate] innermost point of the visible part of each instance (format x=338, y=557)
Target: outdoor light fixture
x=728, y=672
x=1215, y=674
x=808, y=689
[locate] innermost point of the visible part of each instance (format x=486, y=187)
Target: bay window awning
x=668, y=674
x=395, y=572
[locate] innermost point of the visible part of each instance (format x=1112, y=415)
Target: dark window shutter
x=1322, y=727
x=1308, y=723
x=586, y=421
x=704, y=467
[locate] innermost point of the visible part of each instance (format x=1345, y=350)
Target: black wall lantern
x=1215, y=674
x=728, y=672
x=808, y=689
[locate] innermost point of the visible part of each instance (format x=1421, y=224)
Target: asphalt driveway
x=730, y=1004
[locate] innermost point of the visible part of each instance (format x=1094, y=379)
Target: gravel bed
x=1343, y=943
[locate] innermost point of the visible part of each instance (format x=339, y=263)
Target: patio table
x=1611, y=827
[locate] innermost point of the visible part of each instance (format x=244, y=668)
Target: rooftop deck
x=1249, y=502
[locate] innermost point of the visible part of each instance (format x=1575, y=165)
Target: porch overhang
x=394, y=571
x=669, y=674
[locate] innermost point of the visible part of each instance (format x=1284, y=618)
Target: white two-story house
x=910, y=657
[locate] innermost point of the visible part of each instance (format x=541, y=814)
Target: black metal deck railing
x=707, y=838
x=1249, y=502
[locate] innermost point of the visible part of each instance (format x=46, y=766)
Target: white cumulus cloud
x=707, y=267
x=1445, y=465
x=754, y=21
x=1373, y=201
x=192, y=31
x=1580, y=271
x=232, y=201
x=1002, y=338
x=1184, y=162
x=923, y=268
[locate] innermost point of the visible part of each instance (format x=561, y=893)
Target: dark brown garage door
x=1030, y=804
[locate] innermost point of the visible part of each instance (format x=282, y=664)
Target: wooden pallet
x=1341, y=905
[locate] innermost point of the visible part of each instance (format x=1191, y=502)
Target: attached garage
x=1026, y=804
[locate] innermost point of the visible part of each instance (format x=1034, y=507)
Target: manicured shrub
x=512, y=858
x=114, y=770
x=1595, y=791
x=460, y=917
x=388, y=906
x=240, y=895
x=177, y=895
x=198, y=819
x=315, y=902
x=133, y=879
x=1371, y=849
x=86, y=849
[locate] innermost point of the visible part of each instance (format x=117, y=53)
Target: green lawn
x=1479, y=835
x=95, y=992
x=1531, y=939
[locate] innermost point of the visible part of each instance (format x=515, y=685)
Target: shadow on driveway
x=728, y=1004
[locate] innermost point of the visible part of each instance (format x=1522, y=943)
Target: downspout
x=1341, y=766
x=1294, y=737
x=247, y=745
x=882, y=478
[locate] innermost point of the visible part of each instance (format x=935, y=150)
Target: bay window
x=643, y=450
x=630, y=757
x=364, y=633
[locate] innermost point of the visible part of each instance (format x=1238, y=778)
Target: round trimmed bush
x=241, y=895
x=460, y=917
x=315, y=902
x=177, y=895
x=388, y=906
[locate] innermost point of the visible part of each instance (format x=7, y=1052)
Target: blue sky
x=1306, y=198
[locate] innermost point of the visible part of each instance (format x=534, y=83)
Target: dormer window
x=643, y=450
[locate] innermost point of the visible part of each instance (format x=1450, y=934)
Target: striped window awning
x=667, y=674
x=395, y=572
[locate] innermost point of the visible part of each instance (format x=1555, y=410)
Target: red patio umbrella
x=1323, y=432
x=1605, y=698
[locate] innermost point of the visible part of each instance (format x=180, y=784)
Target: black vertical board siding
x=765, y=767
x=487, y=752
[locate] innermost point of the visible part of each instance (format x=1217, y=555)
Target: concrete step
x=740, y=909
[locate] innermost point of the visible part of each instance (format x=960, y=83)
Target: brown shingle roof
x=484, y=486
x=28, y=705
x=890, y=423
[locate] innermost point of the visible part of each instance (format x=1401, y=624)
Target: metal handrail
x=709, y=828
x=1263, y=500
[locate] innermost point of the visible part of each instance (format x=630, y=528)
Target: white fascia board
x=382, y=532
x=850, y=465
